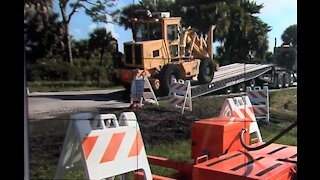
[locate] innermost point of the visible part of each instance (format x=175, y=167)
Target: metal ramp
x=230, y=75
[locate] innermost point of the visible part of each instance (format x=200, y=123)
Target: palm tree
x=289, y=36
x=101, y=40
x=41, y=28
x=80, y=49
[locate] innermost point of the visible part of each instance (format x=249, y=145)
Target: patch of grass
x=282, y=114
x=283, y=105
x=286, y=99
x=179, y=150
x=271, y=130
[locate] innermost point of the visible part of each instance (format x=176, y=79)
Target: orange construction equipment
x=218, y=154
x=243, y=165
x=220, y=147
x=164, y=50
x=216, y=136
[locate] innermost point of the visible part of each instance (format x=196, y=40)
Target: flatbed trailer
x=231, y=75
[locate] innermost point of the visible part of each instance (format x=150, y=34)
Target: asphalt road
x=52, y=104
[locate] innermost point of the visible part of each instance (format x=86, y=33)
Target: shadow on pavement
x=121, y=96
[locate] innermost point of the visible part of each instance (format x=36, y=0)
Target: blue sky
x=279, y=14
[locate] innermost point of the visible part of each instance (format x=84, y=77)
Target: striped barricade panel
x=180, y=88
x=241, y=107
x=260, y=102
x=108, y=147
x=148, y=94
x=180, y=95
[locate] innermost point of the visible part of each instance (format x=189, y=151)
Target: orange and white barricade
x=241, y=107
x=260, y=102
x=180, y=95
x=141, y=90
x=106, y=147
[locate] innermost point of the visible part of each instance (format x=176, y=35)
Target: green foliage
x=57, y=70
x=289, y=36
x=269, y=56
x=247, y=34
x=101, y=41
x=97, y=10
x=41, y=30
x=52, y=71
x=98, y=74
x=58, y=86
x=80, y=49
x=122, y=17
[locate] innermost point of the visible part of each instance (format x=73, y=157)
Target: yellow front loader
x=162, y=50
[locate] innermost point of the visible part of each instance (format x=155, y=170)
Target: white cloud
x=111, y=27
x=77, y=31
x=274, y=7
x=92, y=26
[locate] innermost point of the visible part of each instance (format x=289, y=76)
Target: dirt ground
x=160, y=125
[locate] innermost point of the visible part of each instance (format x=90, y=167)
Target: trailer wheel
x=279, y=81
x=167, y=73
x=251, y=83
x=206, y=71
x=291, y=79
x=229, y=89
x=241, y=87
x=286, y=80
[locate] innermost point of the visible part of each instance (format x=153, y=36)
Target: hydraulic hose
x=267, y=143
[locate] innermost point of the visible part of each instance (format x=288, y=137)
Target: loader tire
x=167, y=73
x=206, y=71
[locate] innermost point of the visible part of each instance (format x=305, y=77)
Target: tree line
x=242, y=36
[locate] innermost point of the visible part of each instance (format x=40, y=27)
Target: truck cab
x=286, y=56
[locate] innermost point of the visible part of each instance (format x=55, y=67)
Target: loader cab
x=147, y=26
x=145, y=31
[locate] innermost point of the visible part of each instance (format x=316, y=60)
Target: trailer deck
x=230, y=75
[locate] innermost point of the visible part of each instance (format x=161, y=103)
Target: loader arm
x=193, y=44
